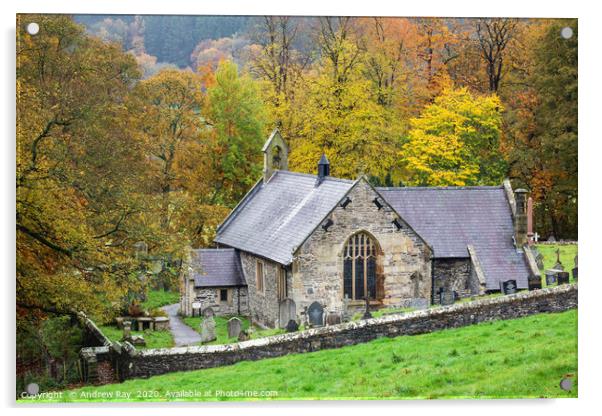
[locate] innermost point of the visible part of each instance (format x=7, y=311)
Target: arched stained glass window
x=359, y=267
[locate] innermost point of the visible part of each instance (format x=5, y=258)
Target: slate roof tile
x=450, y=218
x=216, y=268
x=279, y=214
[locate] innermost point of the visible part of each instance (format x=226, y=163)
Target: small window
x=259, y=277
x=223, y=295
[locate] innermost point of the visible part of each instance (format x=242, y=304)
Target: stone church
x=317, y=238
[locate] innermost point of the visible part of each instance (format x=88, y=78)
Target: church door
x=359, y=267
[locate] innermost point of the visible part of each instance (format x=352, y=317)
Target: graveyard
x=523, y=357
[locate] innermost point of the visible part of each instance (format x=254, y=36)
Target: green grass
x=567, y=258
x=157, y=298
x=525, y=357
x=154, y=339
x=221, y=329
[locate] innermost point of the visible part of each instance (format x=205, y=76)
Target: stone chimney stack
x=520, y=219
x=530, y=233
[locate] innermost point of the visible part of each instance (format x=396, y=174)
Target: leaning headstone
x=333, y=318
x=508, y=287
x=563, y=278
x=292, y=326
x=287, y=311
x=446, y=297
x=234, y=327
x=208, y=330
x=551, y=277
x=315, y=314
x=208, y=313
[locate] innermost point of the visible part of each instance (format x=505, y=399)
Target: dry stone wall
x=146, y=363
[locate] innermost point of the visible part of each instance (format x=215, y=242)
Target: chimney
x=530, y=221
x=520, y=219
x=323, y=169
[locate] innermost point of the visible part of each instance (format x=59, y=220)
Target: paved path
x=182, y=333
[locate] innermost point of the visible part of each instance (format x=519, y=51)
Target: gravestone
x=208, y=312
x=418, y=303
x=446, y=297
x=508, y=287
x=558, y=265
x=243, y=336
x=315, y=314
x=345, y=314
x=367, y=314
x=234, y=327
x=551, y=277
x=333, y=318
x=563, y=278
x=575, y=274
x=127, y=330
x=208, y=330
x=287, y=311
x=292, y=326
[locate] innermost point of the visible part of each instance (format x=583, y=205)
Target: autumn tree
x=238, y=129
x=455, y=141
x=78, y=163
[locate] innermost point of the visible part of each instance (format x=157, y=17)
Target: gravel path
x=182, y=333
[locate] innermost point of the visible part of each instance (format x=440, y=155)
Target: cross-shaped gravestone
x=558, y=264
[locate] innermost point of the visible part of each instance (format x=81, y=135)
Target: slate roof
x=451, y=218
x=275, y=217
x=216, y=268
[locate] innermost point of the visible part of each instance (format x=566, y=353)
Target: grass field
x=567, y=258
x=221, y=329
x=157, y=298
x=154, y=339
x=525, y=357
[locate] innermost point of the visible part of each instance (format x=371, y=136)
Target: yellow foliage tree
x=455, y=142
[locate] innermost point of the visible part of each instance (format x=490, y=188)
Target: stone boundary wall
x=553, y=243
x=145, y=363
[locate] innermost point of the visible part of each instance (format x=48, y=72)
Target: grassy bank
x=525, y=357
x=157, y=298
x=154, y=339
x=221, y=329
x=567, y=258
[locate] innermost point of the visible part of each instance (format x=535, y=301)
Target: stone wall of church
x=263, y=305
x=237, y=303
x=318, y=263
x=454, y=274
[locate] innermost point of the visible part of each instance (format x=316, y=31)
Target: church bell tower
x=275, y=155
